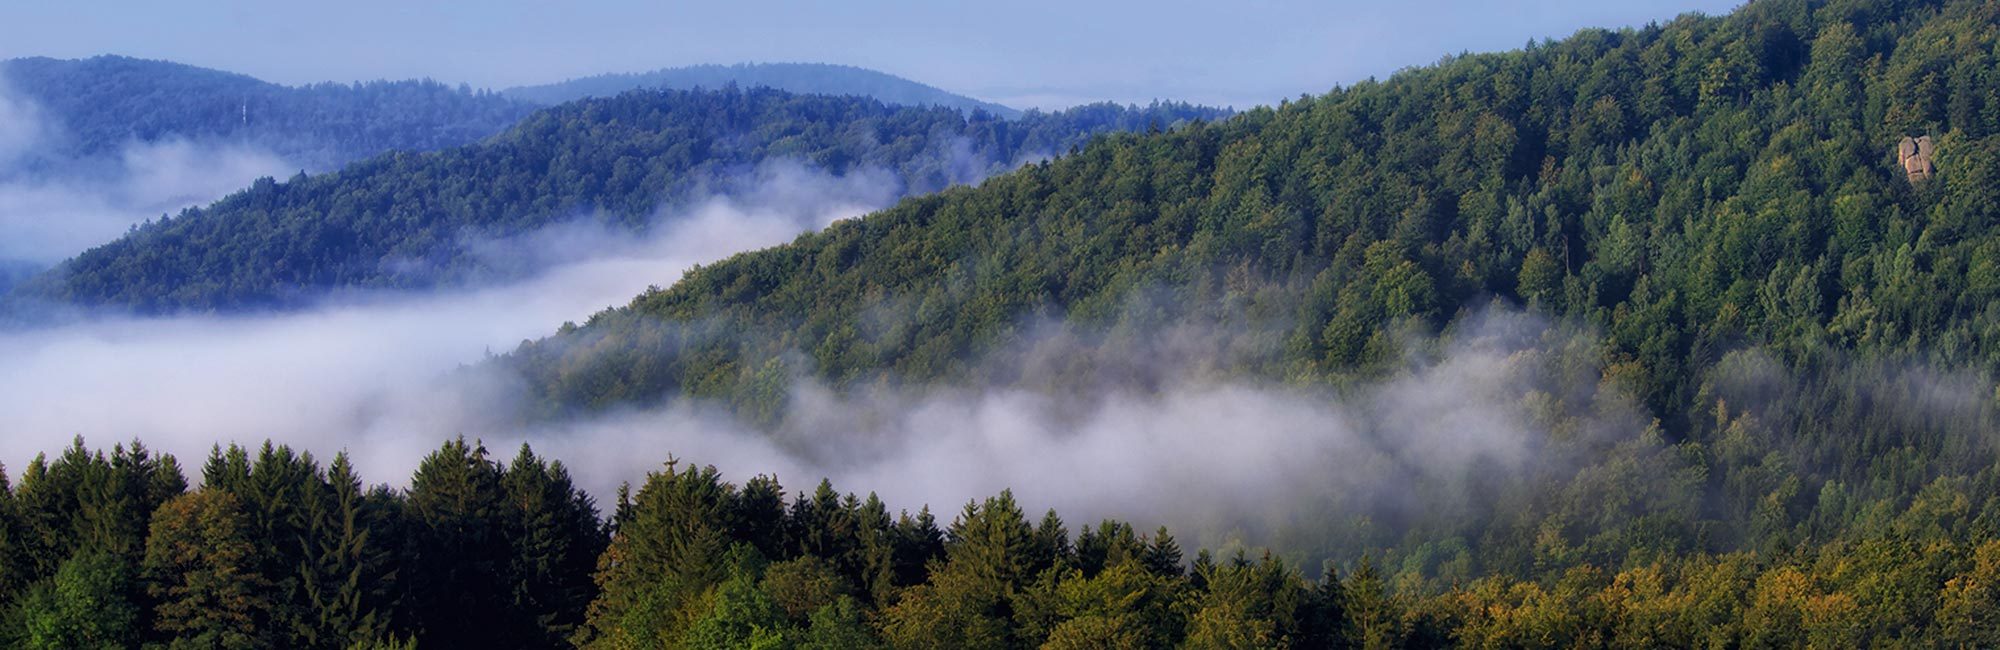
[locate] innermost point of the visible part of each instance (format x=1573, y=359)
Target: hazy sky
x=1025, y=52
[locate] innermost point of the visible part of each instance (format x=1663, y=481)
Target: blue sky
x=1026, y=52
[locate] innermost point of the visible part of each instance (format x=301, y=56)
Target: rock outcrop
x=1914, y=154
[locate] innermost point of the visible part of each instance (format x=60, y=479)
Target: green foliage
x=86, y=604
x=742, y=616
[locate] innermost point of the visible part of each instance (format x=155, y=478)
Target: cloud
x=373, y=374
x=1174, y=440
x=49, y=217
x=20, y=126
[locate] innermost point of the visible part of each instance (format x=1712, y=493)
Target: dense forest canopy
x=409, y=220
x=801, y=78
x=102, y=104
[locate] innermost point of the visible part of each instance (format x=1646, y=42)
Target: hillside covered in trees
x=1812, y=332
x=408, y=220
x=799, y=78
x=1688, y=187
x=102, y=104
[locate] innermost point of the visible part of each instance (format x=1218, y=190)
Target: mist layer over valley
x=373, y=373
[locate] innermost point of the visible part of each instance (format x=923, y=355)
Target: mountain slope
x=1679, y=172
x=802, y=78
x=409, y=220
x=1718, y=197
x=105, y=103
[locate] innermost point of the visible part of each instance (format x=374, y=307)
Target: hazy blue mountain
x=809, y=78
x=101, y=104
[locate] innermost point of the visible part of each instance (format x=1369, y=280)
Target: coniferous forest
x=1750, y=264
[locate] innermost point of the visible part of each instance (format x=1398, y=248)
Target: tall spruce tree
x=555, y=539
x=348, y=574
x=455, y=570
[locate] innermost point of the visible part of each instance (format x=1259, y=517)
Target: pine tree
x=1323, y=617
x=667, y=550
x=1163, y=555
x=12, y=554
x=1051, y=548
x=823, y=525
x=455, y=570
x=348, y=571
x=992, y=541
x=759, y=515
x=876, y=553
x=918, y=542
x=556, y=540
x=1109, y=544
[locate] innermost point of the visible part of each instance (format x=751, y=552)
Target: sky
x=1027, y=53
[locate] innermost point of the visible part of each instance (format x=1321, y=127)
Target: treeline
x=412, y=220
x=102, y=104
x=273, y=550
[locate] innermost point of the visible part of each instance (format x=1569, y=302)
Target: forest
x=617, y=162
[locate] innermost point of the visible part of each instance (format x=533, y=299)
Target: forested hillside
x=1691, y=188
x=1719, y=200
x=801, y=78
x=105, y=103
x=409, y=220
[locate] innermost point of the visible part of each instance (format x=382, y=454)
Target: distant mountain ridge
x=801, y=78
x=104, y=103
